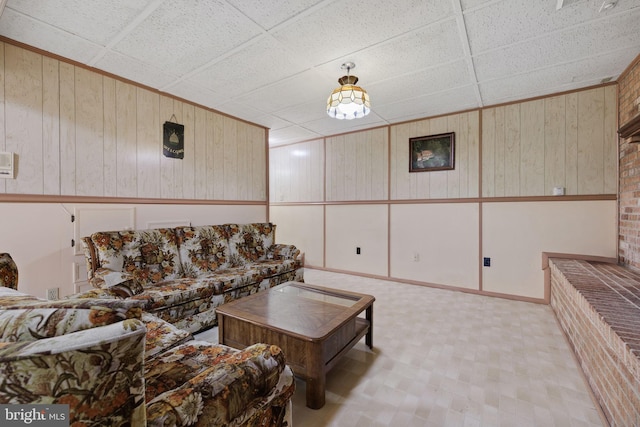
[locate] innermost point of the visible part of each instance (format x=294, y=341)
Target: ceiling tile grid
x=275, y=62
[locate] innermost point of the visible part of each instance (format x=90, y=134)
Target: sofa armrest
x=223, y=390
x=99, y=373
x=282, y=251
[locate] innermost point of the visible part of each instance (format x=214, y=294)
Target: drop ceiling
x=274, y=62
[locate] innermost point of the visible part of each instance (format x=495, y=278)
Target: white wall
x=516, y=234
x=445, y=239
x=303, y=225
x=363, y=226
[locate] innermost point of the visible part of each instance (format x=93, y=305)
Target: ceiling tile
x=336, y=32
x=259, y=63
x=134, y=70
x=496, y=25
x=576, y=43
x=27, y=30
x=268, y=14
x=302, y=88
x=426, y=47
x=197, y=94
x=330, y=126
x=421, y=83
x=550, y=80
x=82, y=18
x=181, y=35
x=290, y=134
x=457, y=99
x=245, y=112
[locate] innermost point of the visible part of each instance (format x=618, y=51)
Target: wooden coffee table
x=314, y=326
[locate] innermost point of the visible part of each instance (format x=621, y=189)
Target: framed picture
x=432, y=153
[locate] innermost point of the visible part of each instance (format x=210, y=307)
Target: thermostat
x=7, y=165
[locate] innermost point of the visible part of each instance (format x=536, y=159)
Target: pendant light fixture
x=348, y=101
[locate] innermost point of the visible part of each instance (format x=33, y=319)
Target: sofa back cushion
x=250, y=242
x=150, y=256
x=203, y=249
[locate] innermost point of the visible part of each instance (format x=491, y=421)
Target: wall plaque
x=173, y=140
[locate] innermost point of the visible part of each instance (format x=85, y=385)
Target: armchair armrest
x=99, y=373
x=227, y=384
x=34, y=320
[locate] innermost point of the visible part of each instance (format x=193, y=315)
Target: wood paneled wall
x=568, y=140
x=297, y=172
x=461, y=182
x=357, y=166
x=79, y=132
x=435, y=228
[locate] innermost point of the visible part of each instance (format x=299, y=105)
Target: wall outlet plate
x=486, y=261
x=53, y=293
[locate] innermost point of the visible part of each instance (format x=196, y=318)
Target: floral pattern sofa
x=115, y=365
x=182, y=274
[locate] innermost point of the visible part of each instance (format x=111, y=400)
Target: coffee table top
x=305, y=311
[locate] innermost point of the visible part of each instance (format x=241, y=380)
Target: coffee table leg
x=369, y=338
x=220, y=329
x=315, y=383
x=315, y=392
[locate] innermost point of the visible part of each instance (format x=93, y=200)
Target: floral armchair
x=8, y=271
x=87, y=354
x=115, y=365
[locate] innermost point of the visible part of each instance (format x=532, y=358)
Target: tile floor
x=445, y=358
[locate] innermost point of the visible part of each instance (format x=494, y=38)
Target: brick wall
x=586, y=314
x=629, y=173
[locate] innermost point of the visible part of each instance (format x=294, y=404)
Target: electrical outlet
x=416, y=257
x=486, y=262
x=52, y=293
x=358, y=251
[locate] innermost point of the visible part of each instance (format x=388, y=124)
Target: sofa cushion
x=149, y=255
x=250, y=242
x=203, y=249
x=174, y=292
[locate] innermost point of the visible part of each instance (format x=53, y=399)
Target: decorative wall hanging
x=432, y=153
x=173, y=139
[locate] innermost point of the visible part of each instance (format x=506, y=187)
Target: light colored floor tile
x=446, y=358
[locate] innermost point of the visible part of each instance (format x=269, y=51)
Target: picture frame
x=432, y=153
